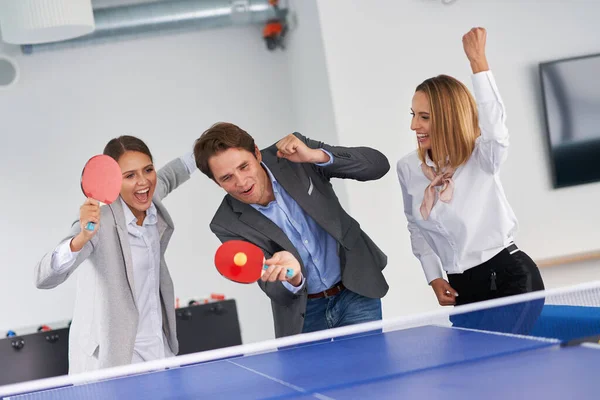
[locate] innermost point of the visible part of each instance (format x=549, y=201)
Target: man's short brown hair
x=220, y=137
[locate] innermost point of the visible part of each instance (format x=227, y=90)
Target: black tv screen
x=571, y=96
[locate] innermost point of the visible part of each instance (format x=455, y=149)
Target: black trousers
x=503, y=275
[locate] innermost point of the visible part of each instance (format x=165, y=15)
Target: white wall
x=310, y=91
x=572, y=274
x=166, y=90
x=376, y=54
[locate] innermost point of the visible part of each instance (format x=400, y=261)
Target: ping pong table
x=431, y=361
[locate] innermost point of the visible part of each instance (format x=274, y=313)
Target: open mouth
x=142, y=195
x=421, y=137
x=248, y=192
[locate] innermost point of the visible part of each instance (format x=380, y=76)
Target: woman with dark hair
x=124, y=309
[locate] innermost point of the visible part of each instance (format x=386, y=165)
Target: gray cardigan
x=105, y=317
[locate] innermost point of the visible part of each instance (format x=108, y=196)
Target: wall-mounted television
x=571, y=96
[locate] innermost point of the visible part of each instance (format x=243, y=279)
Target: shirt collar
x=275, y=185
x=271, y=177
x=151, y=214
x=429, y=161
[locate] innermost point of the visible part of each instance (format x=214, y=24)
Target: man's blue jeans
x=345, y=308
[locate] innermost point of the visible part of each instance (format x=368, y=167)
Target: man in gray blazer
x=281, y=200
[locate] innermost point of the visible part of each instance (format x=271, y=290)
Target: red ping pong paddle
x=101, y=180
x=242, y=262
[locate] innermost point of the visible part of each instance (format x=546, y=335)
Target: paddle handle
x=289, y=273
x=91, y=225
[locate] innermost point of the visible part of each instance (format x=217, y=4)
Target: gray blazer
x=362, y=261
x=105, y=318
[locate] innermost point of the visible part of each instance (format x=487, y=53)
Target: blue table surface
x=376, y=365
x=565, y=373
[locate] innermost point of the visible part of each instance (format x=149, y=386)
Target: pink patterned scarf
x=443, y=179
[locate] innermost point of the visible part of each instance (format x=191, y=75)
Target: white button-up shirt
x=150, y=342
x=478, y=222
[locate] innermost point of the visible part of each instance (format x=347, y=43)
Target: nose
x=143, y=180
x=238, y=181
x=414, y=123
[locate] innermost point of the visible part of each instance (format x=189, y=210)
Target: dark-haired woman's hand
x=88, y=212
x=474, y=46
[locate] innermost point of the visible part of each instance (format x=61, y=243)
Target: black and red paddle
x=101, y=180
x=242, y=262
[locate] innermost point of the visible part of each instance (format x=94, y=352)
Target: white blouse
x=478, y=222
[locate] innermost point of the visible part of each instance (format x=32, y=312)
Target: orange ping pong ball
x=240, y=259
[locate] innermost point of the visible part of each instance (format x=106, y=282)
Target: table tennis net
x=564, y=315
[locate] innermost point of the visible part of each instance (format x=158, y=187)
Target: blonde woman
x=458, y=216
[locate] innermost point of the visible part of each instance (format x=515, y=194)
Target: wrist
x=479, y=65
x=435, y=281
x=296, y=280
x=319, y=157
x=77, y=243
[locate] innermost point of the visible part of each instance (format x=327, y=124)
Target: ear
x=257, y=154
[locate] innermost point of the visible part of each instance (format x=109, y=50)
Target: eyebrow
x=239, y=166
x=133, y=170
x=223, y=177
x=420, y=112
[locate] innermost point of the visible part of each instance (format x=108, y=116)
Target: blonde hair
x=454, y=121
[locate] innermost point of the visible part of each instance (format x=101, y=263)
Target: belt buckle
x=512, y=248
x=333, y=290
